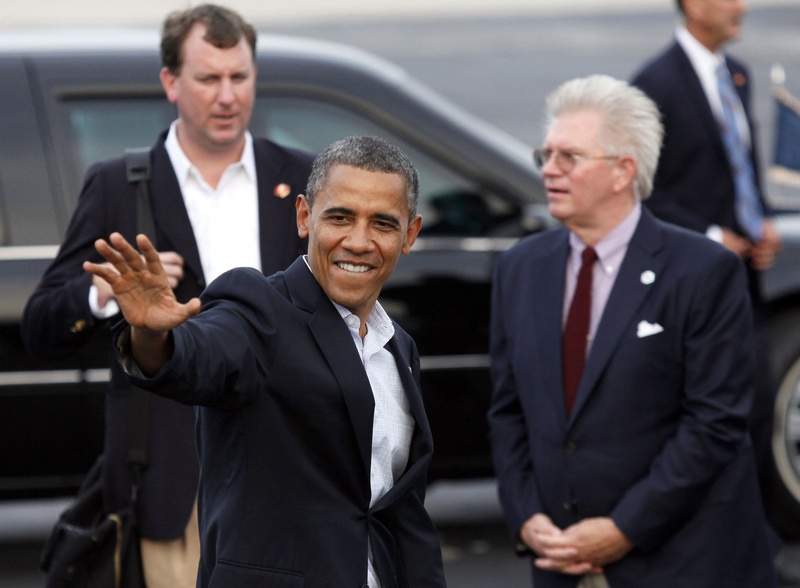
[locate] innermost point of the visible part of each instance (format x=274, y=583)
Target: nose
x=226, y=95
x=359, y=238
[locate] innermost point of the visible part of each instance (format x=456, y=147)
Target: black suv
x=69, y=101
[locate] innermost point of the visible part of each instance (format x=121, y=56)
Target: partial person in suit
x=313, y=440
x=621, y=372
x=708, y=177
x=220, y=199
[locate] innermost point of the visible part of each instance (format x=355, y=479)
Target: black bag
x=90, y=549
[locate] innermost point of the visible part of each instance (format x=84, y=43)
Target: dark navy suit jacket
x=657, y=438
x=285, y=437
x=693, y=186
x=57, y=318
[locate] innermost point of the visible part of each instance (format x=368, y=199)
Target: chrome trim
x=471, y=244
x=42, y=377
x=453, y=362
x=28, y=252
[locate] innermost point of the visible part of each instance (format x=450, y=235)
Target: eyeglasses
x=564, y=160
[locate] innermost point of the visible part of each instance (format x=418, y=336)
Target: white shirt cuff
x=110, y=309
x=714, y=232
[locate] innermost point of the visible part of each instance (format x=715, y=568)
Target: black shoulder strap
x=137, y=168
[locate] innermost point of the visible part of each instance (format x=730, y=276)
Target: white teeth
x=349, y=267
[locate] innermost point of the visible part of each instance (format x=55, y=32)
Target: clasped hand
x=582, y=548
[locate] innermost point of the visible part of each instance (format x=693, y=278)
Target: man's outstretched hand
x=142, y=289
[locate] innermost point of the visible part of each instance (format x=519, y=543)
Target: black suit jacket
x=694, y=185
x=285, y=436
x=57, y=318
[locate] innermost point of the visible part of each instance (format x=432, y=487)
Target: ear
x=168, y=82
x=411, y=233
x=624, y=173
x=303, y=213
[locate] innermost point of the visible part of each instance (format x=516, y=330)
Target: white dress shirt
x=611, y=251
x=224, y=220
x=392, y=421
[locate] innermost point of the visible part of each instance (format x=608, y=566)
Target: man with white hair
x=622, y=376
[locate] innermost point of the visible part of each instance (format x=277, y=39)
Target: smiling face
x=357, y=229
x=214, y=92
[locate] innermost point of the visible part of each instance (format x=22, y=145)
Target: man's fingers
x=102, y=271
x=148, y=250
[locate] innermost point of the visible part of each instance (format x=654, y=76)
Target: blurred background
x=496, y=59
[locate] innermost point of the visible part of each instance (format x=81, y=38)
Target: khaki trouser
x=593, y=581
x=173, y=564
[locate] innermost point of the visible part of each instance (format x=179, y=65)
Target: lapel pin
x=739, y=79
x=648, y=277
x=282, y=190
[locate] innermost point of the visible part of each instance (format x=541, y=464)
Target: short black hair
x=368, y=153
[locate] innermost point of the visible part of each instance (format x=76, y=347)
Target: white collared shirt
x=224, y=219
x=705, y=64
x=611, y=251
x=392, y=421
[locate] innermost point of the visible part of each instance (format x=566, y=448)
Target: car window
x=450, y=203
x=105, y=128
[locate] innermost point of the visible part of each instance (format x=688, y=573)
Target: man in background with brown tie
x=707, y=178
x=622, y=373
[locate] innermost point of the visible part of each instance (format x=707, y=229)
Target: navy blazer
x=57, y=318
x=285, y=437
x=657, y=437
x=693, y=185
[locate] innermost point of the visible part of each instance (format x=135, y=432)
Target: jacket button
x=571, y=447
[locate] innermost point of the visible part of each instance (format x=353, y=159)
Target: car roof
x=341, y=71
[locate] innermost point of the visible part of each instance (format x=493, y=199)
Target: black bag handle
x=137, y=169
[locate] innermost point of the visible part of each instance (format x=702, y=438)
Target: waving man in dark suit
x=313, y=440
x=622, y=376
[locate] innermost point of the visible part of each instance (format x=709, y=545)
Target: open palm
x=140, y=284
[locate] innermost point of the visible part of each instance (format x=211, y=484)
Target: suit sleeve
x=57, y=318
x=507, y=429
x=220, y=352
x=712, y=424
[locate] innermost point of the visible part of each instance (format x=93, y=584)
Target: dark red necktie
x=576, y=331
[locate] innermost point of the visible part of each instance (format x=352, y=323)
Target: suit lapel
x=628, y=293
x=408, y=370
x=336, y=344
x=547, y=277
x=422, y=441
x=276, y=211
x=175, y=230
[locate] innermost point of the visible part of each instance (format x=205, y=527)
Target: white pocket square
x=645, y=329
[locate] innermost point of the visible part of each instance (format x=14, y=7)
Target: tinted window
x=450, y=203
